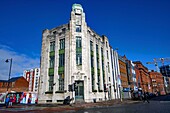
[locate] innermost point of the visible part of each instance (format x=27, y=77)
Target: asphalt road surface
x=157, y=105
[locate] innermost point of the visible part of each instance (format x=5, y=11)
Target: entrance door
x=79, y=91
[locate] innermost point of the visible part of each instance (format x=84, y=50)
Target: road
x=159, y=104
x=156, y=105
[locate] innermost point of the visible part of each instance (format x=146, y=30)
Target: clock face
x=78, y=11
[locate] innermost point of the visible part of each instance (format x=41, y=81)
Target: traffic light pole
x=73, y=91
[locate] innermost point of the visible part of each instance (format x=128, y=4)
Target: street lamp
x=9, y=60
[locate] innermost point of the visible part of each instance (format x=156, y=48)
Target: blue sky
x=140, y=29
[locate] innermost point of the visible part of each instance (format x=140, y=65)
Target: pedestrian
x=145, y=97
x=10, y=101
x=7, y=101
x=29, y=100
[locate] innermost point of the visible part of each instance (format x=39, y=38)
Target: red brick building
x=17, y=84
x=131, y=75
x=157, y=82
x=142, y=76
x=123, y=73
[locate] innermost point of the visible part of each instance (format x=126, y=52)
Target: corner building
x=74, y=53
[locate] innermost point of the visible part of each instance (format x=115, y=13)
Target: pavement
x=50, y=108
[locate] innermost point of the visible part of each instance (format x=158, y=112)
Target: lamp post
x=9, y=60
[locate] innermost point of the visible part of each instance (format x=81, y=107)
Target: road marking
x=164, y=101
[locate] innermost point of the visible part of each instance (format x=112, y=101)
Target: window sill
x=100, y=90
x=94, y=91
x=60, y=91
x=49, y=92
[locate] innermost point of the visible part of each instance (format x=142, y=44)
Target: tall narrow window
x=51, y=80
x=92, y=67
x=52, y=46
x=91, y=45
x=51, y=65
x=107, y=55
x=93, y=81
x=52, y=61
x=92, y=62
x=78, y=42
x=111, y=57
x=102, y=59
x=61, y=82
x=78, y=59
x=61, y=60
x=61, y=65
x=108, y=67
x=62, y=43
x=78, y=28
x=102, y=51
x=97, y=63
x=97, y=48
x=62, y=53
x=78, y=51
x=97, y=55
x=98, y=81
x=91, y=51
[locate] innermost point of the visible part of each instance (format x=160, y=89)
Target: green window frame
x=78, y=50
x=52, y=46
x=51, y=82
x=52, y=61
x=61, y=82
x=62, y=44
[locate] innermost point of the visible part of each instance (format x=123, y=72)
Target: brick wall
x=20, y=85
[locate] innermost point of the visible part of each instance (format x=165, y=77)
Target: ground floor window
x=61, y=82
x=51, y=81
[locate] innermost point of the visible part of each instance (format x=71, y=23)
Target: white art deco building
x=74, y=53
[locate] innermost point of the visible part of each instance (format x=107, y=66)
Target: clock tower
x=77, y=20
x=79, y=45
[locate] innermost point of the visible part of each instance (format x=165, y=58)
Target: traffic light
x=70, y=88
x=105, y=88
x=74, y=86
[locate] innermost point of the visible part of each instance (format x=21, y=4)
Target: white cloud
x=20, y=62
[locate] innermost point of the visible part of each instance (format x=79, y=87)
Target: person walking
x=145, y=97
x=7, y=101
x=10, y=101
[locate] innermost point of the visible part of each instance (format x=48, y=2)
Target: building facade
x=143, y=78
x=116, y=73
x=165, y=71
x=123, y=72
x=131, y=74
x=125, y=87
x=157, y=82
x=74, y=54
x=133, y=85
x=32, y=76
x=15, y=84
x=14, y=87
